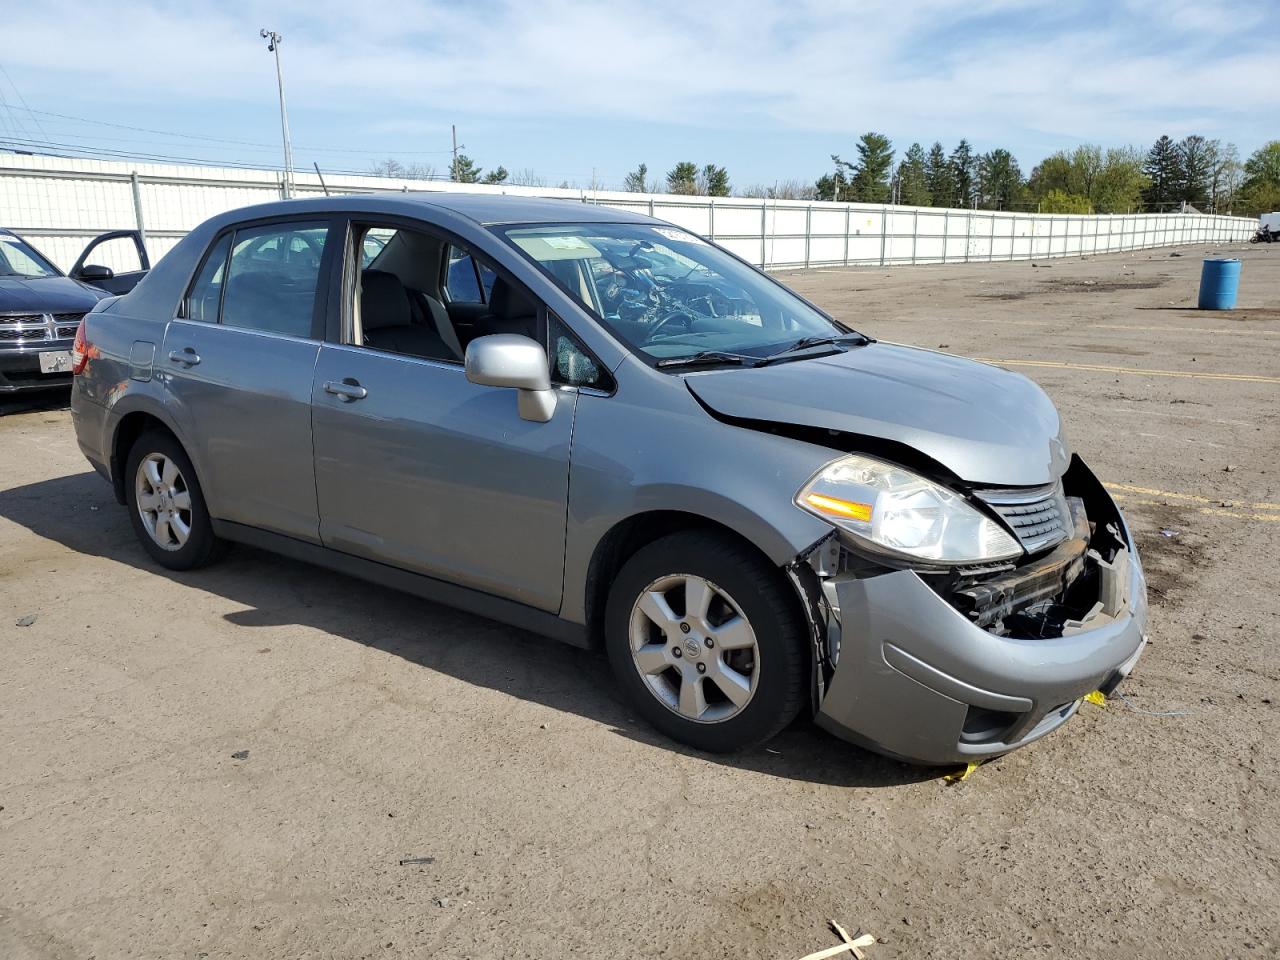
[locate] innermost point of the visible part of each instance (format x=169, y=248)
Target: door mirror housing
x=94, y=272
x=511, y=360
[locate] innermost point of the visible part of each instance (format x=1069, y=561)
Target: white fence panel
x=60, y=203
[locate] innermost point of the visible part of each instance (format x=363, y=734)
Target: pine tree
x=938, y=178
x=1000, y=180
x=465, y=170
x=963, y=167
x=683, y=178
x=1163, y=171
x=913, y=178
x=870, y=180
x=496, y=176
x=714, y=181
x=637, y=181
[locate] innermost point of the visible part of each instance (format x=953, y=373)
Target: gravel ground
x=380, y=727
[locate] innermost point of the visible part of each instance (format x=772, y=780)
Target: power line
x=23, y=101
x=207, y=139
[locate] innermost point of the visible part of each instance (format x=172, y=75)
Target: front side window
x=20, y=259
x=272, y=278
x=668, y=293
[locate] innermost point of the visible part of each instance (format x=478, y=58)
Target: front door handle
x=347, y=390
x=186, y=356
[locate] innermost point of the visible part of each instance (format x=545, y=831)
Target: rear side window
x=467, y=280
x=272, y=278
x=206, y=292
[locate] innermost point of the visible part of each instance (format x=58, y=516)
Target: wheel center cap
x=692, y=649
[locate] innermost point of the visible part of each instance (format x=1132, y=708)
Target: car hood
x=988, y=426
x=47, y=295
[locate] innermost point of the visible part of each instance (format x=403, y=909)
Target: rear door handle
x=347, y=390
x=185, y=356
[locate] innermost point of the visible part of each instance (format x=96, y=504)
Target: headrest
x=383, y=301
x=507, y=302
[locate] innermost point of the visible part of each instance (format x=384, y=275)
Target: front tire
x=166, y=504
x=707, y=640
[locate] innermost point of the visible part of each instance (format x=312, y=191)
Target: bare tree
x=527, y=177
x=781, y=190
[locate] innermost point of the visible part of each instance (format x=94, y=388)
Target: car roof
x=486, y=209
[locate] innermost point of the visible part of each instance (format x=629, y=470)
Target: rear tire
x=707, y=640
x=166, y=504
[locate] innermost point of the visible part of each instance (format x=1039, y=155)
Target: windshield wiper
x=804, y=344
x=708, y=356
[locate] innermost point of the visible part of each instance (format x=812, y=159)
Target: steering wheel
x=669, y=318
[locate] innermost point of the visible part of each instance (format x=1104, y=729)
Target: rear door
x=238, y=365
x=114, y=261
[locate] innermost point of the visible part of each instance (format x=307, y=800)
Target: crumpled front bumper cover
x=917, y=680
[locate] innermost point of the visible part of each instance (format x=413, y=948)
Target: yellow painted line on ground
x=1211, y=511
x=1056, y=327
x=1136, y=371
x=1195, y=498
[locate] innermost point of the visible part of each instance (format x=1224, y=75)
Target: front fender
x=629, y=461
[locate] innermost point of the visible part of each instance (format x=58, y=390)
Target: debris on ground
x=852, y=945
x=240, y=755
x=1226, y=503
x=440, y=901
x=1097, y=698
x=1166, y=532
x=26, y=621
x=408, y=861
x=1230, y=468
x=959, y=776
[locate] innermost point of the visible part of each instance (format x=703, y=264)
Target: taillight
x=79, y=351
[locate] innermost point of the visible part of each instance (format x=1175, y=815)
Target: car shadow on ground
x=30, y=401
x=80, y=512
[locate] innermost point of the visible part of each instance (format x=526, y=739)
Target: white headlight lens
x=894, y=510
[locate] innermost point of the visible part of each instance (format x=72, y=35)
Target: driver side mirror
x=93, y=272
x=510, y=360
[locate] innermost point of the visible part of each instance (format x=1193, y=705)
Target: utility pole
x=273, y=44
x=453, y=171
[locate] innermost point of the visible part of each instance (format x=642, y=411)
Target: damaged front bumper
x=912, y=673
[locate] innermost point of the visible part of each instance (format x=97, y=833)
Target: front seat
x=386, y=319
x=510, y=311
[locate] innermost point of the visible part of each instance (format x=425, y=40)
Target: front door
x=238, y=365
x=418, y=467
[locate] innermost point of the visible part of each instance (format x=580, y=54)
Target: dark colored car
x=40, y=307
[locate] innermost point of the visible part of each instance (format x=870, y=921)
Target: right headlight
x=892, y=510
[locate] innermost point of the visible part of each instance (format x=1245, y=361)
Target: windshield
x=18, y=259
x=669, y=293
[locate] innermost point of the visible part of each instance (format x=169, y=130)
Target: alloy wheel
x=164, y=501
x=694, y=648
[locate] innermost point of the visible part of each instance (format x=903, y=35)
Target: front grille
x=21, y=329
x=1038, y=515
x=67, y=323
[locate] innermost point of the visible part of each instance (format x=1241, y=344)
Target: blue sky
x=566, y=88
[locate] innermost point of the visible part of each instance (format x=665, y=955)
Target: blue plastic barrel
x=1219, y=281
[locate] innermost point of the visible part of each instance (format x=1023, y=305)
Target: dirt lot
x=379, y=727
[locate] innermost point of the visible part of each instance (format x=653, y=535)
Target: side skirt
x=429, y=588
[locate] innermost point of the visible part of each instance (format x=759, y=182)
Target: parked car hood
x=986, y=425
x=47, y=295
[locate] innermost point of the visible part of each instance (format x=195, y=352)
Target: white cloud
x=1003, y=69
